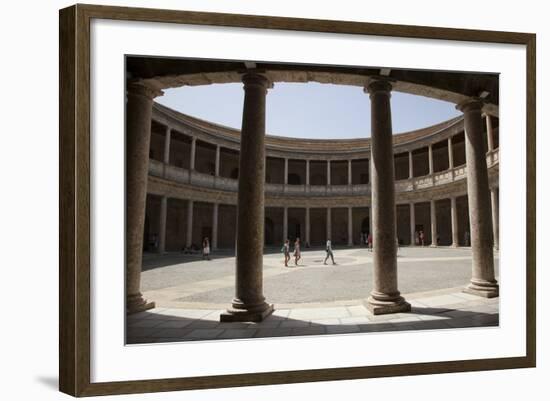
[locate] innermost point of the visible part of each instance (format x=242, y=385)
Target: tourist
x=206, y=248
x=286, y=251
x=297, y=252
x=329, y=253
x=369, y=242
x=421, y=237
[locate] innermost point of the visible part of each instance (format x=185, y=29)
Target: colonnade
x=249, y=303
x=330, y=178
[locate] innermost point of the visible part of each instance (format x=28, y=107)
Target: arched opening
x=269, y=231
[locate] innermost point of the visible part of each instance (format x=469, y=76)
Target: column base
x=382, y=304
x=247, y=313
x=136, y=303
x=485, y=289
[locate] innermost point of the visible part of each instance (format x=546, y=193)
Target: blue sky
x=309, y=110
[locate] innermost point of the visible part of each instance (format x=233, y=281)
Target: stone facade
x=194, y=170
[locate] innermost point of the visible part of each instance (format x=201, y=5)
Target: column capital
x=375, y=85
x=256, y=78
x=143, y=89
x=473, y=103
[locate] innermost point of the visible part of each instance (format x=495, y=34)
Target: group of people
x=366, y=239
x=298, y=254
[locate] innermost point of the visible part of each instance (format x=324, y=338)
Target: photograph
x=271, y=199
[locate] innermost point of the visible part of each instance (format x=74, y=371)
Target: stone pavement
x=434, y=310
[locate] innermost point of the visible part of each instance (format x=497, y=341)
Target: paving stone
x=277, y=332
x=354, y=320
x=237, y=333
x=172, y=333
x=205, y=334
x=173, y=324
x=294, y=323
x=324, y=322
x=312, y=330
x=341, y=329
x=145, y=323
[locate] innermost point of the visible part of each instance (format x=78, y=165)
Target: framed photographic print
x=251, y=200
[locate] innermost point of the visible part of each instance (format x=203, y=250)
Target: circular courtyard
x=187, y=281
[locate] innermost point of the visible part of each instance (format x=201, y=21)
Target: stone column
x=494, y=208
x=249, y=303
x=413, y=224
x=286, y=172
x=162, y=224
x=217, y=166
x=308, y=238
x=167, y=138
x=431, y=159
x=214, y=238
x=483, y=281
x=385, y=296
x=350, y=226
x=307, y=172
x=450, y=149
x=350, y=176
x=411, y=170
x=454, y=223
x=328, y=173
x=490, y=140
x=285, y=223
x=370, y=220
x=139, y=109
x=329, y=223
x=189, y=233
x=193, y=153
x=433, y=222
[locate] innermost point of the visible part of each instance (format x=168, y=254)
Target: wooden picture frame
x=74, y=204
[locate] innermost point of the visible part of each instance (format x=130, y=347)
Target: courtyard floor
x=310, y=299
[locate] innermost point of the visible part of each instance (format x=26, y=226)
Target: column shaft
x=193, y=153
x=162, y=224
x=483, y=281
x=494, y=209
x=450, y=149
x=349, y=173
x=217, y=165
x=214, y=242
x=433, y=222
x=249, y=302
x=285, y=223
x=139, y=109
x=490, y=140
x=307, y=172
x=454, y=222
x=431, y=159
x=385, y=296
x=167, y=139
x=189, y=233
x=328, y=173
x=411, y=169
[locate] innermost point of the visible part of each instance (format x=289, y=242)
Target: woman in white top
x=206, y=248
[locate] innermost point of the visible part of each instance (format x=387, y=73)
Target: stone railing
x=184, y=176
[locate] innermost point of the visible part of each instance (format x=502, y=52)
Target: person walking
x=297, y=251
x=421, y=237
x=206, y=248
x=286, y=251
x=329, y=253
x=369, y=242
